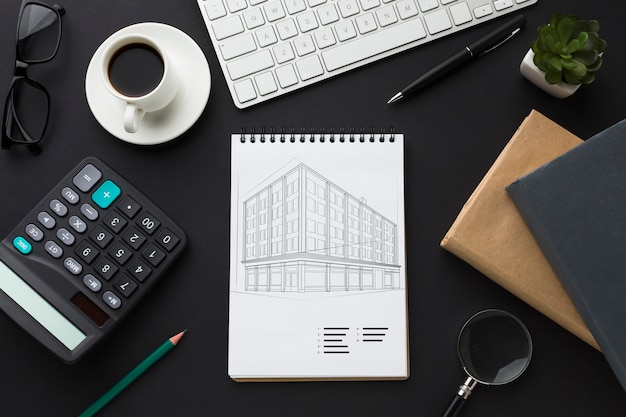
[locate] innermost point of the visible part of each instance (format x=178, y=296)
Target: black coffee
x=136, y=69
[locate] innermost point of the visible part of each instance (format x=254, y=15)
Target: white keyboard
x=267, y=48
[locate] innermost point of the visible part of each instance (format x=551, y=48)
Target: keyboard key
x=502, y=4
x=309, y=67
x=22, y=245
x=125, y=285
x=324, y=38
x=253, y=18
x=214, y=9
x=328, y=14
x=112, y=300
x=139, y=269
x=227, y=27
x=274, y=10
x=365, y=23
x=53, y=249
x=266, y=36
x=406, y=9
x=437, y=21
x=348, y=8
x=386, y=16
x=65, y=236
x=153, y=255
x=250, y=64
x=59, y=208
x=295, y=6
x=460, y=13
x=304, y=45
x=236, y=5
x=245, y=90
x=148, y=223
x=106, y=194
x=89, y=212
x=129, y=206
x=482, y=11
x=266, y=83
x=34, y=232
x=286, y=76
x=374, y=44
x=283, y=52
x=87, y=178
x=426, y=5
x=46, y=220
x=345, y=30
x=236, y=46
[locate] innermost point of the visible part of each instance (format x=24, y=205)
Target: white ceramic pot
x=537, y=77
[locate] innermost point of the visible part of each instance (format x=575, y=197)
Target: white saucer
x=188, y=104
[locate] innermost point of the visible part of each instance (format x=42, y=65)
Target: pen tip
x=395, y=98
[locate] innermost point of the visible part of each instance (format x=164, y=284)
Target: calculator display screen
x=39, y=309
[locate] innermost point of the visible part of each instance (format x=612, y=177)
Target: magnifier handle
x=458, y=401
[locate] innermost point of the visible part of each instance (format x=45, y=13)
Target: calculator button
x=120, y=253
x=106, y=194
x=148, y=222
x=70, y=195
x=139, y=269
x=112, y=300
x=65, y=236
x=22, y=245
x=46, y=220
x=105, y=268
x=78, y=224
x=53, y=249
x=125, y=285
x=153, y=254
x=87, y=251
x=73, y=266
x=92, y=283
x=89, y=211
x=59, y=208
x=87, y=178
x=101, y=236
x=129, y=207
x=134, y=238
x=167, y=239
x=115, y=221
x=34, y=232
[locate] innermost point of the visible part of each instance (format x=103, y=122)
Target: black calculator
x=83, y=257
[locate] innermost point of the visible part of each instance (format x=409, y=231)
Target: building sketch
x=303, y=233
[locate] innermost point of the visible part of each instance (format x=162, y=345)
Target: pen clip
x=486, y=51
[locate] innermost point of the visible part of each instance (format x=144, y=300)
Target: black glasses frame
x=10, y=118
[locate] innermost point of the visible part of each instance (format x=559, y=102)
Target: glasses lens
x=27, y=112
x=38, y=33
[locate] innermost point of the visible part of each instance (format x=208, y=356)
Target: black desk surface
x=453, y=132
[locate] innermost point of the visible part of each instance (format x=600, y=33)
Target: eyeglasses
x=27, y=107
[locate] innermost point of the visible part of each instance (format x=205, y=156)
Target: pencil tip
x=176, y=338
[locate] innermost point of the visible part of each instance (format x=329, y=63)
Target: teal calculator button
x=22, y=245
x=106, y=194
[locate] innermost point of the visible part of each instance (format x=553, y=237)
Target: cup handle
x=132, y=117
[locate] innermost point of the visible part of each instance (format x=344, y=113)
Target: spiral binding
x=284, y=135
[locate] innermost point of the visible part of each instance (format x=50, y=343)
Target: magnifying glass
x=494, y=348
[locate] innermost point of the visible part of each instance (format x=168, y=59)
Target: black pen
x=474, y=50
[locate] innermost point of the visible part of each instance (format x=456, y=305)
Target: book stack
x=546, y=224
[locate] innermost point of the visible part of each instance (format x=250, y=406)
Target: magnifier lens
x=494, y=347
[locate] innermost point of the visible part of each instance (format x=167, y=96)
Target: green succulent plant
x=569, y=49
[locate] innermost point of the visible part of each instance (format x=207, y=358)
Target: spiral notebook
x=317, y=264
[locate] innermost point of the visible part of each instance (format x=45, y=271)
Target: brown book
x=490, y=234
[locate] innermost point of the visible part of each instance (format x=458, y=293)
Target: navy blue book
x=575, y=206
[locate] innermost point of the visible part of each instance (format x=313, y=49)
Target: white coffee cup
x=130, y=71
